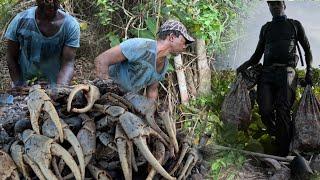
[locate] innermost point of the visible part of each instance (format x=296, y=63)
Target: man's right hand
x=241, y=68
x=308, y=77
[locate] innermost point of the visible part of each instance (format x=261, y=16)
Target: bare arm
x=13, y=61
x=152, y=91
x=67, y=65
x=107, y=58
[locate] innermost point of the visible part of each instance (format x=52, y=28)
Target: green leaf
x=114, y=40
x=152, y=25
x=170, y=68
x=142, y=33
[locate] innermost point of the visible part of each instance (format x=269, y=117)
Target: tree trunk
x=178, y=64
x=204, y=69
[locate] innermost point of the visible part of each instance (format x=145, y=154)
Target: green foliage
x=5, y=11
x=208, y=19
x=150, y=31
x=212, y=20
x=226, y=161
x=106, y=9
x=138, y=21
x=113, y=39
x=256, y=138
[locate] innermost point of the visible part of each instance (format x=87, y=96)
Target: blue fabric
x=40, y=56
x=139, y=68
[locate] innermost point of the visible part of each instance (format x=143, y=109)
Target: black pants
x=276, y=95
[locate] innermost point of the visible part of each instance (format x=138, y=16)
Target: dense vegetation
x=255, y=139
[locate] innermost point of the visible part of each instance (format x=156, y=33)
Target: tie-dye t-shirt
x=139, y=68
x=40, y=56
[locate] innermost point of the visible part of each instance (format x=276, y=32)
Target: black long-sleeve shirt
x=277, y=41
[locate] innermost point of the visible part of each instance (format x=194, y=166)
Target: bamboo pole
x=178, y=64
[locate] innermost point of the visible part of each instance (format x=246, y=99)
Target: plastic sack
x=306, y=137
x=236, y=107
x=251, y=75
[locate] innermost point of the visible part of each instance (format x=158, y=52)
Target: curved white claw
x=57, y=150
x=92, y=96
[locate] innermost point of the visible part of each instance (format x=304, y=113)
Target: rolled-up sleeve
x=73, y=34
x=133, y=49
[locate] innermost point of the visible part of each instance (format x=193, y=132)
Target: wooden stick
x=178, y=63
x=210, y=148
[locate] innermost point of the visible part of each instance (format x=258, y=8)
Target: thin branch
x=127, y=27
x=158, y=16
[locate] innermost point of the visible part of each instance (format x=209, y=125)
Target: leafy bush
x=5, y=11
x=211, y=20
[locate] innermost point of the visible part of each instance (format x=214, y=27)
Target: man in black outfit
x=278, y=80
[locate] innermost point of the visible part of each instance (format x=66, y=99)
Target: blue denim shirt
x=40, y=56
x=139, y=68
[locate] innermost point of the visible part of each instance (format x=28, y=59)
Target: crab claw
x=87, y=140
x=142, y=146
x=107, y=140
x=160, y=152
x=92, y=94
x=38, y=100
x=39, y=150
x=137, y=131
x=147, y=108
x=55, y=168
x=190, y=163
x=98, y=173
x=50, y=131
x=186, y=144
x=17, y=156
x=87, y=137
x=117, y=100
x=170, y=127
x=34, y=167
x=8, y=170
x=124, y=152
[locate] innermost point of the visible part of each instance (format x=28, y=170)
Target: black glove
x=241, y=68
x=308, y=77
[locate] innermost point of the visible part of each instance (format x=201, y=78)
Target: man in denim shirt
x=42, y=44
x=137, y=63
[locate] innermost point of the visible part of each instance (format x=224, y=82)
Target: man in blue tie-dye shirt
x=137, y=63
x=42, y=44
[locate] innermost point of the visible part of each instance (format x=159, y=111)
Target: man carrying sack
x=278, y=80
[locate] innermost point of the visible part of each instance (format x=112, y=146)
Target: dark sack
x=306, y=135
x=236, y=107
